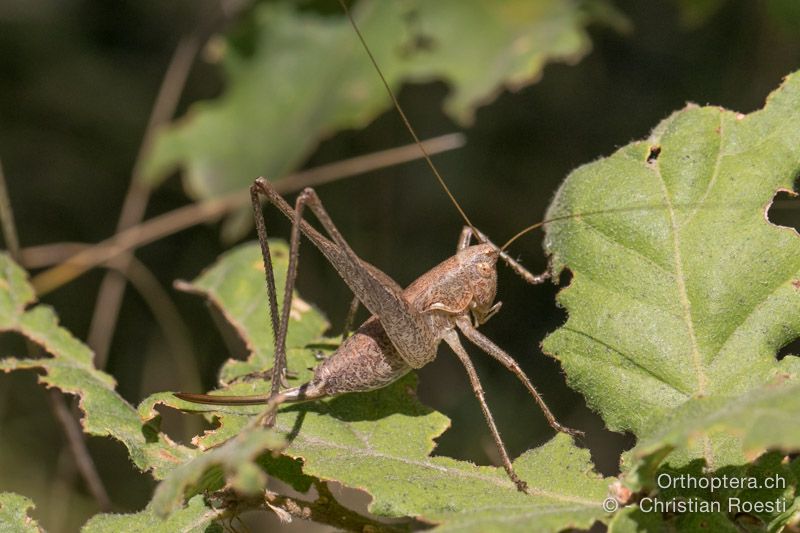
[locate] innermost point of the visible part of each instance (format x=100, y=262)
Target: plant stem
x=210, y=210
x=58, y=403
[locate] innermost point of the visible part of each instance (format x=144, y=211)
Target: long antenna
x=599, y=212
x=531, y=228
x=568, y=217
x=410, y=128
x=405, y=119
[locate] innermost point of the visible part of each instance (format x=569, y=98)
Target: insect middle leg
x=451, y=338
x=484, y=343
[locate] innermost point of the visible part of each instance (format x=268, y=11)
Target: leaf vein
x=636, y=252
x=632, y=360
x=755, y=308
x=682, y=291
x=495, y=480
x=714, y=174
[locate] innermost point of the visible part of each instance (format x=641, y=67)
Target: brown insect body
x=367, y=360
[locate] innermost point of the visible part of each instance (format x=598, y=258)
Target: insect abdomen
x=365, y=361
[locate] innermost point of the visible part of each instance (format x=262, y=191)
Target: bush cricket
x=407, y=325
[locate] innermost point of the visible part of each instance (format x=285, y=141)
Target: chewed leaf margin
x=682, y=293
x=14, y=510
x=69, y=367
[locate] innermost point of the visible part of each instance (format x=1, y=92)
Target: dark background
x=78, y=78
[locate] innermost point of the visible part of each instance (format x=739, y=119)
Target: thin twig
x=211, y=210
x=10, y=234
x=47, y=255
x=112, y=288
x=147, y=285
x=72, y=430
x=80, y=453
x=172, y=324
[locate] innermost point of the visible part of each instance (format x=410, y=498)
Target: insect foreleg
x=464, y=241
x=451, y=338
x=486, y=344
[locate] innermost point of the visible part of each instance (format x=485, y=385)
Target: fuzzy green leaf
x=682, y=292
x=766, y=499
x=381, y=441
x=763, y=418
x=70, y=367
x=681, y=288
x=307, y=76
x=234, y=459
x=14, y=514
x=196, y=517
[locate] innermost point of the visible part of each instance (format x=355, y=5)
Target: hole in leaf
x=565, y=278
x=14, y=345
x=179, y=426
x=785, y=210
x=790, y=348
x=418, y=41
x=748, y=522
x=655, y=151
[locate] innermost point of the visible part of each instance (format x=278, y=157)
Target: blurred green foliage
x=305, y=76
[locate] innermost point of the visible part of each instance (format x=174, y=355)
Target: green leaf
x=633, y=520
x=565, y=494
x=234, y=459
x=70, y=368
x=381, y=441
x=763, y=418
x=765, y=499
x=682, y=292
x=196, y=517
x=307, y=76
x=235, y=284
x=14, y=513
